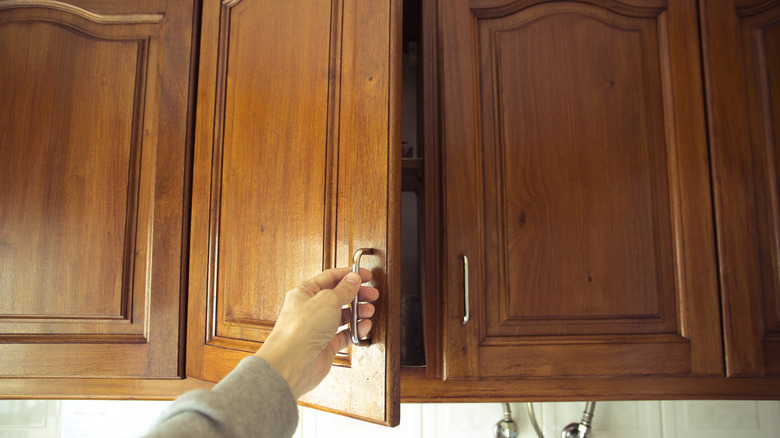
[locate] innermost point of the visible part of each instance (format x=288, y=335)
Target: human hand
x=305, y=339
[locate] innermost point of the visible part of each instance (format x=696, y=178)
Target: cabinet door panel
x=294, y=170
x=579, y=218
x=73, y=178
x=583, y=163
x=86, y=213
x=742, y=54
x=274, y=161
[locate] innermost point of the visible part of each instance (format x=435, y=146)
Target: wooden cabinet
x=618, y=212
x=296, y=166
x=742, y=65
x=93, y=149
x=576, y=180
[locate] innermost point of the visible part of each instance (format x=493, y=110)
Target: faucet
x=581, y=429
x=506, y=428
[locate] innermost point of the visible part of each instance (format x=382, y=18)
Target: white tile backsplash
x=672, y=419
x=461, y=420
x=319, y=424
x=100, y=418
x=721, y=419
x=30, y=418
x=728, y=415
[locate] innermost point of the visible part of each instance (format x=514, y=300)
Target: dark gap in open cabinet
x=412, y=195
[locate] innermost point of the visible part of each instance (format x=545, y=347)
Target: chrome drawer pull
x=466, y=314
x=356, y=268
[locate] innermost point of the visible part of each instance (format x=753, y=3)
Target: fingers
x=343, y=338
x=368, y=294
x=349, y=286
x=364, y=326
x=340, y=341
x=330, y=278
x=365, y=310
x=346, y=290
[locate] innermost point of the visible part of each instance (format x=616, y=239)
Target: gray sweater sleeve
x=252, y=401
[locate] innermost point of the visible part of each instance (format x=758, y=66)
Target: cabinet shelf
x=411, y=174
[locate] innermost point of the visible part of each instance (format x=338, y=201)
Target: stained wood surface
x=295, y=168
x=429, y=101
x=416, y=390
x=577, y=216
x=93, y=139
x=576, y=181
x=99, y=388
x=742, y=65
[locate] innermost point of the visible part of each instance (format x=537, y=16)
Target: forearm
x=252, y=401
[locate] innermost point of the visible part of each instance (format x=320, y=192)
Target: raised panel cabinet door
x=741, y=41
x=296, y=166
x=93, y=141
x=576, y=183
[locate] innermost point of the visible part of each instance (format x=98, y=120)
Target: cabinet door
x=296, y=166
x=576, y=183
x=742, y=66
x=93, y=140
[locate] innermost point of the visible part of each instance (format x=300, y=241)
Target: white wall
x=680, y=419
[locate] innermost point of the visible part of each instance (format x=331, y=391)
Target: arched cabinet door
x=741, y=40
x=93, y=142
x=577, y=184
x=296, y=166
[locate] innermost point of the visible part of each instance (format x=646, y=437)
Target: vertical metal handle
x=466, y=314
x=354, y=307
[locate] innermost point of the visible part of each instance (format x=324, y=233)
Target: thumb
x=347, y=288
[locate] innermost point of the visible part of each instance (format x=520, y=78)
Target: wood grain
x=66, y=179
x=94, y=140
x=268, y=194
x=741, y=43
x=99, y=388
x=576, y=180
x=591, y=388
x=295, y=168
x=429, y=101
x=577, y=216
x=260, y=165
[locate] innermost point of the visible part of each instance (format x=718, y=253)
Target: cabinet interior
x=413, y=195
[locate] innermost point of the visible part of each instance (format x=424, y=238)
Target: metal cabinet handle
x=354, y=307
x=465, y=289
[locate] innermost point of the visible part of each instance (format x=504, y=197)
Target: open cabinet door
x=296, y=166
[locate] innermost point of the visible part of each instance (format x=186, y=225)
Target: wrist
x=290, y=368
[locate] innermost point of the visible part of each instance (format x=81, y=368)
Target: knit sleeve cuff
x=261, y=395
